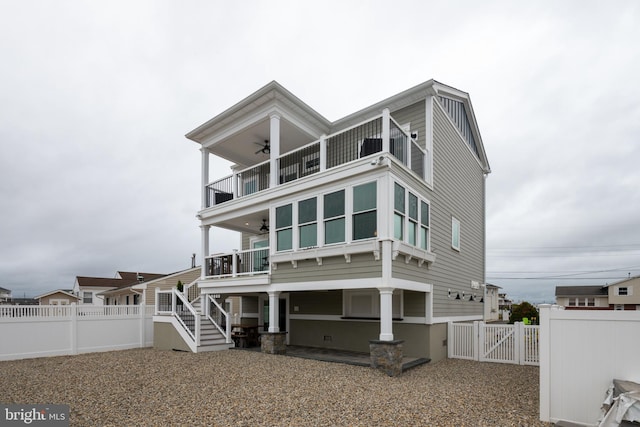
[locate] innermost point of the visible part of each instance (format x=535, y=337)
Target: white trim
x=227, y=287
x=455, y=318
x=475, y=156
x=180, y=329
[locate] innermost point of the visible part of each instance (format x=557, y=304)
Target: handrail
x=227, y=332
x=238, y=263
x=192, y=327
x=195, y=334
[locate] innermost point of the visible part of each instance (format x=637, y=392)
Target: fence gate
x=517, y=343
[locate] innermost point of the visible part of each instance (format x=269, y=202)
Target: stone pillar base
x=387, y=356
x=273, y=342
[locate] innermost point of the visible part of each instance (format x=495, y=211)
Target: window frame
x=365, y=211
x=329, y=219
x=289, y=227
x=456, y=228
x=87, y=295
x=303, y=225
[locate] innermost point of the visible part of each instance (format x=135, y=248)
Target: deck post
x=274, y=144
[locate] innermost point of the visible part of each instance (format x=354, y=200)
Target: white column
x=205, y=249
x=323, y=152
x=386, y=130
x=205, y=175
x=386, y=314
x=274, y=143
x=274, y=300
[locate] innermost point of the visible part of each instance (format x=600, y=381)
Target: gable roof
x=273, y=97
x=582, y=291
x=122, y=279
x=67, y=292
x=136, y=286
x=628, y=279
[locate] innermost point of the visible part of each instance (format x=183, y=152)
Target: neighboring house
x=367, y=229
x=144, y=292
x=583, y=297
x=58, y=297
x=5, y=296
x=622, y=295
x=504, y=303
x=90, y=288
x=625, y=294
x=491, y=303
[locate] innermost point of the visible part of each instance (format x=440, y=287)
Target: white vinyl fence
x=56, y=330
x=581, y=353
x=517, y=343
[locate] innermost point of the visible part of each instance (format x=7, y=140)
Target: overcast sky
x=97, y=176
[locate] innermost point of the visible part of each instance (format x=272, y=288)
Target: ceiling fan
x=266, y=149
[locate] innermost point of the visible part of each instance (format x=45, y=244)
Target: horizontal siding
x=415, y=115
x=170, y=282
x=362, y=266
x=414, y=304
x=329, y=302
x=459, y=192
x=411, y=271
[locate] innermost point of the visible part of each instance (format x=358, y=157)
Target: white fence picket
x=72, y=329
x=517, y=343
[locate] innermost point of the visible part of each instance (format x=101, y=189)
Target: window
x=284, y=235
x=591, y=302
x=573, y=302
x=412, y=228
x=424, y=225
x=398, y=215
x=364, y=211
x=87, y=297
x=623, y=291
x=334, y=219
x=618, y=307
x=581, y=302
x=307, y=223
x=455, y=234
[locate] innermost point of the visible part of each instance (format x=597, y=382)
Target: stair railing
x=173, y=302
x=220, y=318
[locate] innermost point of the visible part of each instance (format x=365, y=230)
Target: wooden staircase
x=210, y=337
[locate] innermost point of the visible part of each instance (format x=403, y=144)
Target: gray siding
x=329, y=302
x=419, y=340
x=415, y=115
x=414, y=304
x=458, y=192
x=334, y=268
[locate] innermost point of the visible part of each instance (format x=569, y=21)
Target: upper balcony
x=379, y=134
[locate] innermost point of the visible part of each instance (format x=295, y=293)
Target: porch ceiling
x=242, y=148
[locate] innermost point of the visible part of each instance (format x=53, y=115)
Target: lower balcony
x=250, y=262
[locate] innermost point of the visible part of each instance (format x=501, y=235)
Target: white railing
x=238, y=263
x=192, y=291
x=172, y=302
x=339, y=148
x=39, y=311
x=517, y=343
x=220, y=318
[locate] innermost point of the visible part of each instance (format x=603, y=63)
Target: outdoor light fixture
x=458, y=295
x=264, y=228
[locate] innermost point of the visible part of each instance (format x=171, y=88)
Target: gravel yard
x=149, y=387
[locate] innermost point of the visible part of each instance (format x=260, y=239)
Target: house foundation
x=273, y=342
x=387, y=356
